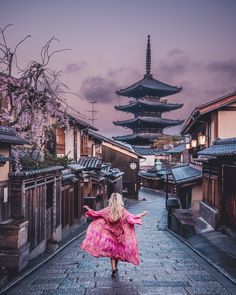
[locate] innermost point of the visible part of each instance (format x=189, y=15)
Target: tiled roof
x=110, y=172
x=9, y=135
x=220, y=147
x=80, y=122
x=148, y=151
x=148, y=121
x=154, y=172
x=148, y=86
x=35, y=172
x=149, y=174
x=90, y=162
x=122, y=145
x=76, y=167
x=68, y=176
x=186, y=173
x=176, y=150
x=141, y=105
x=138, y=138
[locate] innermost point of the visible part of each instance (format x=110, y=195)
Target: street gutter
x=220, y=269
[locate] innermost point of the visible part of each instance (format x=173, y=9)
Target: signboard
x=5, y=195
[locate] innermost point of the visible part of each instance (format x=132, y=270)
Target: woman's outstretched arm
x=92, y=213
x=135, y=219
x=144, y=213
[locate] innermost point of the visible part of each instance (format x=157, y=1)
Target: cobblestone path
x=167, y=266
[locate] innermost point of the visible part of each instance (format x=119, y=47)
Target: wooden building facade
x=211, y=121
x=178, y=155
x=14, y=247
x=219, y=183
x=36, y=197
x=74, y=141
x=188, y=185
x=212, y=146
x=123, y=157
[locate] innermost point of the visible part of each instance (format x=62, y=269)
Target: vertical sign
x=5, y=194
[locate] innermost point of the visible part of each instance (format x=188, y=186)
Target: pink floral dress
x=106, y=238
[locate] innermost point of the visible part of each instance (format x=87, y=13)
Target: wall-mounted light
x=188, y=146
x=158, y=165
x=202, y=139
x=193, y=143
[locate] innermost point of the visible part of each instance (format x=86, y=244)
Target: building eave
x=149, y=121
x=80, y=123
x=190, y=175
x=142, y=105
x=105, y=139
x=155, y=88
x=9, y=136
x=206, y=108
x=220, y=148
x=134, y=139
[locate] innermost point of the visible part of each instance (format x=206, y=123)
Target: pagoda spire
x=148, y=57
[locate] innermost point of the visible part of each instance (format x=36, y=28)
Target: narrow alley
x=167, y=265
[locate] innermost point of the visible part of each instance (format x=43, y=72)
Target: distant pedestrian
x=112, y=233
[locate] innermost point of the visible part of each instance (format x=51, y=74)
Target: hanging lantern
x=193, y=143
x=202, y=139
x=158, y=165
x=188, y=146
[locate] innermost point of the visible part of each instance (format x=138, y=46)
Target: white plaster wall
x=149, y=161
x=226, y=124
x=78, y=145
x=212, y=129
x=4, y=170
x=196, y=196
x=69, y=142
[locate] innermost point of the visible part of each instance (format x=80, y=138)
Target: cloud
x=225, y=67
x=75, y=67
x=224, y=72
x=201, y=81
x=176, y=51
x=103, y=89
x=100, y=89
x=125, y=75
x=169, y=71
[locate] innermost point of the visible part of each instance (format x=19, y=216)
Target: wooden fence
x=36, y=197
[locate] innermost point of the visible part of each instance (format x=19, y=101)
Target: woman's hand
x=145, y=213
x=86, y=207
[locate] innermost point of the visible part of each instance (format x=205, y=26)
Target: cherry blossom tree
x=35, y=98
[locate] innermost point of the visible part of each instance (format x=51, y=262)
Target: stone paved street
x=167, y=266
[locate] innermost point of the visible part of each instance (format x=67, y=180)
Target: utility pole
x=93, y=111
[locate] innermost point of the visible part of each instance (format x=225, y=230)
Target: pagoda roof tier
x=154, y=122
x=149, y=86
x=142, y=105
x=139, y=138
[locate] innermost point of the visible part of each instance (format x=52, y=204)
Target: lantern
x=202, y=139
x=188, y=146
x=158, y=165
x=193, y=143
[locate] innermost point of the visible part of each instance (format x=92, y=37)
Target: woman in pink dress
x=112, y=233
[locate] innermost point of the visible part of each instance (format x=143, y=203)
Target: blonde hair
x=116, y=206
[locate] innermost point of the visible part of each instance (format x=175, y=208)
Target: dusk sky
x=193, y=45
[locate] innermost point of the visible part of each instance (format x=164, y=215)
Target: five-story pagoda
x=147, y=106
